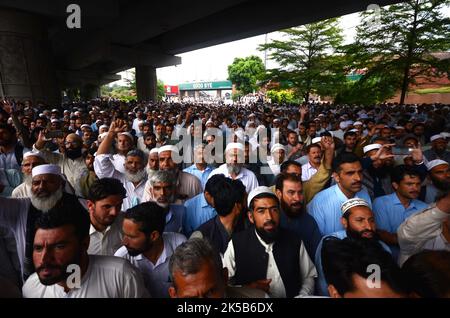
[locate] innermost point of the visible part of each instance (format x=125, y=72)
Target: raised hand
x=303, y=110
x=327, y=143
x=7, y=107
x=417, y=155
x=383, y=153
x=118, y=126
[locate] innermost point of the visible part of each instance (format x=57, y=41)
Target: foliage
x=245, y=72
x=308, y=58
x=397, y=49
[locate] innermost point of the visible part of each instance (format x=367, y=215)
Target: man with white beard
x=163, y=191
x=233, y=168
x=30, y=160
x=135, y=176
x=153, y=163
x=19, y=215
x=187, y=185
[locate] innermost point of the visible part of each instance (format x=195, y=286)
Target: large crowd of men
x=105, y=198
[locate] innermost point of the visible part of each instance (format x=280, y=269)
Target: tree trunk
x=412, y=41
x=405, y=84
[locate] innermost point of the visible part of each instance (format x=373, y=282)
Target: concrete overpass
x=40, y=55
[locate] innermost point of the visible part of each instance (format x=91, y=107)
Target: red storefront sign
x=171, y=90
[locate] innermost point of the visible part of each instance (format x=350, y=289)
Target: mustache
x=270, y=222
x=48, y=266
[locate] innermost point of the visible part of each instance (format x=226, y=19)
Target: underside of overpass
x=40, y=55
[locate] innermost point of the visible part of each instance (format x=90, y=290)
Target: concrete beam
x=243, y=21
x=129, y=56
x=57, y=8
x=72, y=78
x=101, y=51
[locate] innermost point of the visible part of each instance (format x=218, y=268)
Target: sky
x=210, y=64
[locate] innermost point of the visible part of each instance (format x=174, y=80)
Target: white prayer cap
x=343, y=125
x=54, y=110
x=436, y=137
x=316, y=140
x=357, y=123
x=171, y=148
x=127, y=134
x=104, y=126
x=276, y=147
x=98, y=121
x=363, y=116
x=103, y=135
x=85, y=126
x=347, y=205
x=257, y=191
x=77, y=113
x=46, y=169
x=252, y=115
x=276, y=120
x=354, y=130
x=102, y=112
x=399, y=127
x=154, y=150
x=54, y=120
x=370, y=147
x=434, y=163
x=33, y=154
x=234, y=145
x=209, y=121
x=66, y=111
x=320, y=115
x=41, y=115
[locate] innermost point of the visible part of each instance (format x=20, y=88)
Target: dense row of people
x=112, y=199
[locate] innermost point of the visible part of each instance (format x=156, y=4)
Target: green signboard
x=202, y=86
x=354, y=77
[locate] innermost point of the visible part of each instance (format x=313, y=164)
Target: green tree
x=244, y=73
x=395, y=46
x=307, y=58
x=160, y=91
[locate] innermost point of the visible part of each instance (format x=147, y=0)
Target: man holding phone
x=70, y=160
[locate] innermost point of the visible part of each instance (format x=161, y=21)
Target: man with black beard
x=135, y=175
x=266, y=256
x=71, y=160
x=438, y=180
x=148, y=247
x=293, y=216
x=19, y=215
x=65, y=270
x=89, y=177
x=359, y=224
